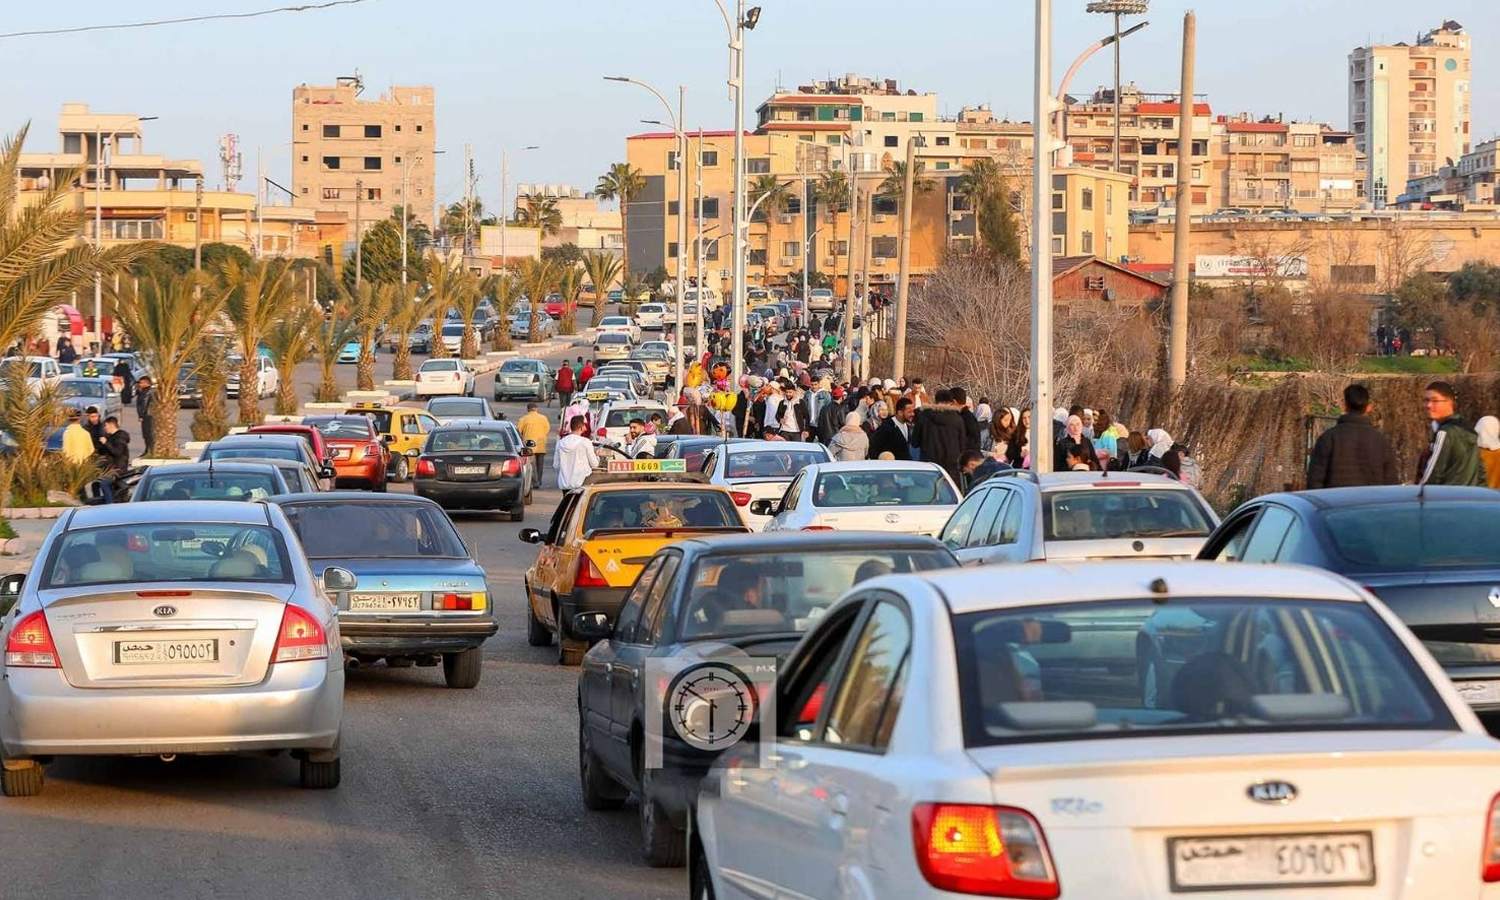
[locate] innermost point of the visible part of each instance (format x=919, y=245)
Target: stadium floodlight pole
x=682, y=188
x=1118, y=8
x=744, y=20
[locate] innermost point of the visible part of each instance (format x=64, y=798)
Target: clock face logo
x=711, y=706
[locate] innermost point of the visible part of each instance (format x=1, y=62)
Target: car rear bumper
x=413, y=634
x=298, y=706
x=369, y=470
x=606, y=600
x=470, y=494
x=529, y=391
x=440, y=390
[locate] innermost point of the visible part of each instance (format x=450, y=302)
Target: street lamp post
x=504, y=191
x=744, y=20
x=406, y=207
x=1118, y=8
x=1041, y=246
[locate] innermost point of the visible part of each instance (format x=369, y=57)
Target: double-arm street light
x=504, y=192
x=743, y=20
x=1119, y=8
x=406, y=203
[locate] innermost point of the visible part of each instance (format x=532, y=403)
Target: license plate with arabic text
x=385, y=602
x=1260, y=861
x=152, y=652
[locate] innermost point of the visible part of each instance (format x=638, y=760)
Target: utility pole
x=849, y=268
x=698, y=268
x=198, y=226
x=1041, y=247
x=260, y=200
x=99, y=234
x=504, y=212
x=903, y=264
x=682, y=211
x=359, y=237
x=737, y=84
x=468, y=200
x=1177, y=356
x=866, y=245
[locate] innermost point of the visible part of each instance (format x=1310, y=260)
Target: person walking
x=121, y=374
x=145, y=407
x=831, y=416
x=535, y=428
x=940, y=434
x=584, y=374
x=893, y=435
x=973, y=428
x=1453, y=456
x=564, y=384
x=77, y=442
x=575, y=456
x=850, y=443
x=1488, y=430
x=1353, y=452
x=116, y=452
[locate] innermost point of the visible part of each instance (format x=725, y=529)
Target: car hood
x=408, y=573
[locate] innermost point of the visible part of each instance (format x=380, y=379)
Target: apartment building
x=1478, y=170
x=1148, y=143
x=1269, y=164
x=1409, y=107
x=583, y=221
x=347, y=149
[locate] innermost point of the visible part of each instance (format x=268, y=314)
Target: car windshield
x=439, y=365
x=380, y=418
x=456, y=406
x=342, y=530
x=619, y=418
x=612, y=338
x=771, y=463
x=766, y=593
x=663, y=507
x=205, y=486
x=266, y=451
x=80, y=389
x=1102, y=514
x=351, y=428
x=1185, y=666
x=519, y=366
x=1416, y=536
x=488, y=440
x=453, y=330
x=889, y=487
x=164, y=551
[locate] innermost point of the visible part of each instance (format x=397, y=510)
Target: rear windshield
x=1127, y=668
x=771, y=463
x=615, y=320
x=340, y=530
x=203, y=486
x=619, y=418
x=888, y=488
x=166, y=552
x=767, y=593
x=1418, y=536
x=439, y=365
x=381, y=420
x=489, y=440
x=661, y=508
x=80, y=389
x=265, y=452
x=456, y=406
x=353, y=428
x=453, y=330
x=516, y=365
x=1103, y=514
x=612, y=337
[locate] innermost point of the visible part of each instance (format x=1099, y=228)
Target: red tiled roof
x=1199, y=109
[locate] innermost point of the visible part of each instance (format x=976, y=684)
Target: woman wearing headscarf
x=1161, y=442
x=1488, y=429
x=1018, y=452
x=1074, y=440
x=879, y=412
x=850, y=443
x=985, y=414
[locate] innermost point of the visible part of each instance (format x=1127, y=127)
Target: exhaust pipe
x=168, y=757
x=353, y=663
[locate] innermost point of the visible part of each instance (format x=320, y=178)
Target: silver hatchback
x=158, y=629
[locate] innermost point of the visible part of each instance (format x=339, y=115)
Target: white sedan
x=1311, y=746
x=439, y=377
x=620, y=325
x=893, y=496
x=651, y=316
x=761, y=470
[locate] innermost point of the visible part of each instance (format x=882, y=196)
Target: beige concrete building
x=1409, y=107
x=1148, y=143
x=1268, y=164
x=586, y=223
x=347, y=147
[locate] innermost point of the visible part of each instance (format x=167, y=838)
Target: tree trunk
x=401, y=367
x=328, y=390
x=164, y=421
x=438, y=349
x=286, y=397
x=601, y=297
x=470, y=343
x=249, y=388
x=536, y=313
x=625, y=249
x=365, y=372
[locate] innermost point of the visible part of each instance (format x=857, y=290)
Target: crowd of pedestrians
x=1354, y=452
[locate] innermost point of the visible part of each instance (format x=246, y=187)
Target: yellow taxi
x=604, y=533
x=403, y=430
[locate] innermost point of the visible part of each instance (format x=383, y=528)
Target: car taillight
x=425, y=468
x=1490, y=863
x=603, y=432
x=372, y=448
x=30, y=644
x=452, y=602
x=417, y=377
x=509, y=467
x=997, y=851
x=300, y=638
x=740, y=498
x=817, y=528
x=588, y=574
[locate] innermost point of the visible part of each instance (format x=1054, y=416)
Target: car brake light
x=457, y=601
x=300, y=638
x=425, y=468
x=817, y=528
x=997, y=851
x=740, y=498
x=588, y=574
x=373, y=447
x=1491, y=862
x=813, y=706
x=603, y=432
x=509, y=467
x=30, y=644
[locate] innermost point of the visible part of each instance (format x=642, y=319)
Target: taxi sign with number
x=638, y=466
x=597, y=396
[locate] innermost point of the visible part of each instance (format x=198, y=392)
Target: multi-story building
x=347, y=150
x=1478, y=170
x=1269, y=164
x=584, y=222
x=1409, y=107
x=1148, y=143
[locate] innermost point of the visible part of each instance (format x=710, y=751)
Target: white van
x=651, y=316
x=708, y=297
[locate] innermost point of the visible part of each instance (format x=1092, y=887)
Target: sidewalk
x=31, y=533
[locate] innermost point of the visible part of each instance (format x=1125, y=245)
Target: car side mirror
x=530, y=535
x=337, y=578
x=525, y=451
x=592, y=626
x=10, y=591
x=387, y=438
x=531, y=445
x=764, y=507
x=328, y=472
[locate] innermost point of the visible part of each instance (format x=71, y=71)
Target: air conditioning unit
x=880, y=217
x=192, y=217
x=785, y=218
x=787, y=261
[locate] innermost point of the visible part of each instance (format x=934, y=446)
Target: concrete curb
x=13, y=546
x=36, y=512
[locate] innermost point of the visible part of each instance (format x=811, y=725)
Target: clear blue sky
x=512, y=73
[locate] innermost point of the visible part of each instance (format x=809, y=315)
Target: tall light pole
x=406, y=205
x=1177, y=357
x=99, y=234
x=505, y=190
x=744, y=20
x=903, y=264
x=1118, y=8
x=1041, y=246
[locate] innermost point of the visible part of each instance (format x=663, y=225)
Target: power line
x=306, y=7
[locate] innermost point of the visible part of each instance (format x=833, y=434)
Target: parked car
x=274, y=446
x=189, y=387
x=524, y=379
x=520, y=327
x=444, y=376
x=892, y=496
x=267, y=378
x=652, y=316
x=619, y=325
x=402, y=429
x=242, y=481
x=761, y=470
x=658, y=365
x=39, y=369
x=611, y=345
x=320, y=449
x=478, y=466
x=452, y=336
x=78, y=392
x=209, y=634
x=349, y=353
x=449, y=410
x=360, y=457
x=556, y=308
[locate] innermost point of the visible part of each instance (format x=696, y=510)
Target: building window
x=304, y=126
x=372, y=164
x=672, y=250
x=671, y=160
x=372, y=193
x=1304, y=140
x=330, y=162
x=943, y=141
x=710, y=158
x=943, y=166
x=1087, y=242
x=791, y=248
x=304, y=191
x=304, y=159
x=672, y=207
x=1109, y=199
x=834, y=140
x=330, y=193
x=758, y=257
x=1058, y=245
x=883, y=247
x=1087, y=200
x=793, y=206
x=372, y=131
x=330, y=131
x=758, y=166
x=914, y=117
x=892, y=140
x=887, y=117
x=838, y=248
x=885, y=206
x=419, y=129
x=1059, y=201
x=398, y=129
x=710, y=207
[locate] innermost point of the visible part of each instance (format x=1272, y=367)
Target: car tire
x=23, y=782
x=529, y=498
x=462, y=670
x=320, y=776
x=662, y=845
x=403, y=469
x=518, y=512
x=537, y=634
x=379, y=487
x=600, y=792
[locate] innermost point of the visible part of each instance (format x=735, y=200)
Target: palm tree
x=621, y=183
x=537, y=277
x=505, y=290
x=407, y=312
x=42, y=264
x=456, y=288
x=167, y=318
x=894, y=185
x=832, y=193
x=540, y=213
x=255, y=296
x=982, y=181
x=328, y=339
x=442, y=281
x=570, y=285
x=454, y=221
x=290, y=341
x=368, y=309
x=211, y=366
x=602, y=268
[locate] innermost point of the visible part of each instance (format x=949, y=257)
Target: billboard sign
x=1250, y=267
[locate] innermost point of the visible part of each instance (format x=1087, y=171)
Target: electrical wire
x=305, y=7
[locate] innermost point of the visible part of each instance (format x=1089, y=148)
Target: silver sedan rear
x=159, y=629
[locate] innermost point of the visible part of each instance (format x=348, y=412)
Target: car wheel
x=528, y=499
x=702, y=884
x=663, y=846
x=537, y=634
x=321, y=776
x=599, y=790
x=23, y=782
x=379, y=487
x=403, y=469
x=518, y=513
x=462, y=669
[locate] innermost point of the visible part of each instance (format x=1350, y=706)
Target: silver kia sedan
x=179, y=627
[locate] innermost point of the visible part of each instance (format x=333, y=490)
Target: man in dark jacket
x=939, y=434
x=831, y=416
x=1353, y=452
x=116, y=456
x=973, y=431
x=145, y=407
x=1453, y=457
x=892, y=435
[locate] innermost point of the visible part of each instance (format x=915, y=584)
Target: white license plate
x=1479, y=693
x=132, y=653
x=469, y=470
x=341, y=452
x=1257, y=861
x=385, y=602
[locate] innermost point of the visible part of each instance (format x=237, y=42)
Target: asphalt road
x=445, y=793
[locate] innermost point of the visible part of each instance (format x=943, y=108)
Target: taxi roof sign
x=596, y=396
x=647, y=466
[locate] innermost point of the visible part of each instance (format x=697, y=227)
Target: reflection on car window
x=266, y=452
x=166, y=552
x=1099, y=514
x=1420, y=536
x=883, y=488
x=487, y=440
x=203, y=486
x=343, y=428
x=330, y=530
x=770, y=463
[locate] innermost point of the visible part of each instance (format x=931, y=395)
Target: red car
x=555, y=307
x=313, y=436
x=359, y=456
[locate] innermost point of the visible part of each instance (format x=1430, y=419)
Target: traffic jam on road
x=808, y=676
